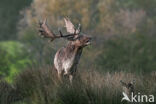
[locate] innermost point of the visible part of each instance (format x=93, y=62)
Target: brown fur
x=70, y=54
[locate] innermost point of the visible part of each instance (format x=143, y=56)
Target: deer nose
x=90, y=38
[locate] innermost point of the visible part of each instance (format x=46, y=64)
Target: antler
x=70, y=27
x=47, y=33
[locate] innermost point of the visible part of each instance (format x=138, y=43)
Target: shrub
x=40, y=86
x=14, y=57
x=135, y=53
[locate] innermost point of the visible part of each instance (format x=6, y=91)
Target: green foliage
x=130, y=53
x=14, y=57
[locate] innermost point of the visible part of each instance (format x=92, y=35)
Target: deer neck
x=73, y=50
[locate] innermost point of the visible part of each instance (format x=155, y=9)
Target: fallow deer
x=128, y=88
x=67, y=58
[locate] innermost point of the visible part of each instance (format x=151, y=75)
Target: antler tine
x=45, y=21
x=40, y=23
x=61, y=35
x=45, y=31
x=69, y=26
x=79, y=28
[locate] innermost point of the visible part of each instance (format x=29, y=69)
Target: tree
x=9, y=16
x=14, y=58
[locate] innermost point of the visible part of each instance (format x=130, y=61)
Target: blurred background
x=124, y=34
x=123, y=31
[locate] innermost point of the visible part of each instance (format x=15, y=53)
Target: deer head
x=128, y=87
x=74, y=34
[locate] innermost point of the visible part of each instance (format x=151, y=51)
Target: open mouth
x=88, y=42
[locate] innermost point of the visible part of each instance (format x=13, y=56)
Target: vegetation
x=9, y=16
x=123, y=48
x=134, y=53
x=13, y=59
x=40, y=86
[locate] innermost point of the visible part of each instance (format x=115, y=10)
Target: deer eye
x=87, y=41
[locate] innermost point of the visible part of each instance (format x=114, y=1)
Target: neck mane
x=73, y=50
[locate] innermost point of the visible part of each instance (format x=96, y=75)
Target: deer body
x=67, y=58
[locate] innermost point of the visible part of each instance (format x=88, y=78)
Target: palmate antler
x=47, y=33
x=70, y=27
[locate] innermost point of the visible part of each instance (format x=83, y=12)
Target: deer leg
x=60, y=75
x=70, y=78
x=65, y=73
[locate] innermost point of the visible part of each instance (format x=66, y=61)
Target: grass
x=41, y=86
